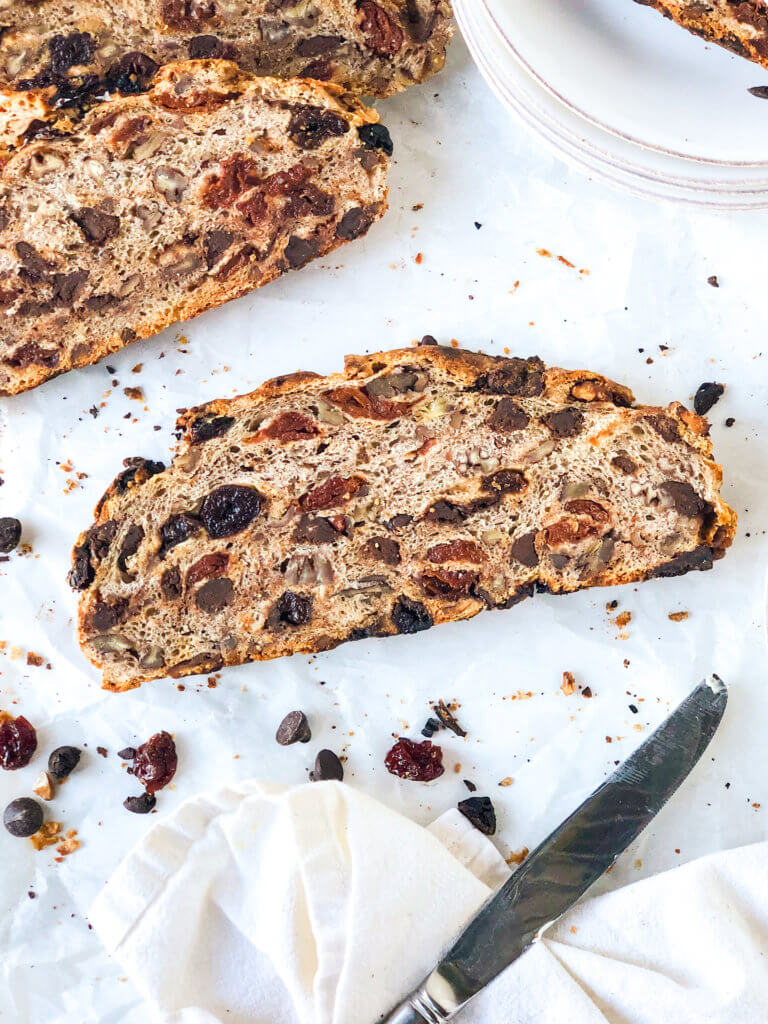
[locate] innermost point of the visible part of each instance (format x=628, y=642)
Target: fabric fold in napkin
x=262, y=904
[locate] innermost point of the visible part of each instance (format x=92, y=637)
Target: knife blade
x=570, y=860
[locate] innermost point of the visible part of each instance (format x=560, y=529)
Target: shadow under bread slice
x=738, y=25
x=154, y=208
x=417, y=487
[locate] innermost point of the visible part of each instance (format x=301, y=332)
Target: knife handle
x=418, y=1008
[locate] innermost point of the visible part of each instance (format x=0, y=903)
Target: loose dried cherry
x=18, y=742
x=417, y=762
x=155, y=762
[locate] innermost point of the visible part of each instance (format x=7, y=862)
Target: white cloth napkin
x=262, y=904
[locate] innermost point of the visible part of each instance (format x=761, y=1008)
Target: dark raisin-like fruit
x=447, y=718
x=209, y=567
x=449, y=583
x=206, y=428
x=384, y=549
x=309, y=126
x=205, y=47
x=134, y=535
x=327, y=768
x=410, y=616
x=215, y=245
x=140, y=804
x=431, y=726
x=399, y=521
x=294, y=728
x=700, y=559
x=707, y=395
x=23, y=817
x=506, y=481
x=479, y=810
x=376, y=136
x=138, y=470
x=96, y=225
x=63, y=761
x=105, y=616
x=229, y=510
x=293, y=609
x=81, y=575
x=508, y=416
x=18, y=742
x=68, y=51
x=456, y=551
x=215, y=595
x=155, y=762
x=132, y=74
x=684, y=499
x=289, y=426
x=176, y=529
x=336, y=491
x=522, y=377
x=564, y=422
x=10, y=534
x=417, y=762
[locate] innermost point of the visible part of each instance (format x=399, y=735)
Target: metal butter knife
x=566, y=864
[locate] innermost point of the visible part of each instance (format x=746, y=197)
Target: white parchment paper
x=477, y=198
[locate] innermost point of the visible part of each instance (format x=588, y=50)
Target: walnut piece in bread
x=160, y=206
x=419, y=486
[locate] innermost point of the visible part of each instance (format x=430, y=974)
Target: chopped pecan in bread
x=163, y=205
x=66, y=53
x=419, y=486
x=738, y=25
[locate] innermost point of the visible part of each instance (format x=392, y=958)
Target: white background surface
x=459, y=156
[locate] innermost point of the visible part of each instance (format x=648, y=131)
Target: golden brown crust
x=740, y=27
x=474, y=372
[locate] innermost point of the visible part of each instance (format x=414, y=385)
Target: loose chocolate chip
x=431, y=726
x=624, y=463
x=293, y=609
x=205, y=46
x=170, y=584
x=96, y=225
x=470, y=786
x=127, y=753
x=205, y=429
x=132, y=74
x=480, y=812
x=508, y=416
x=229, y=510
x=564, y=422
x=216, y=244
x=309, y=126
x=327, y=768
x=707, y=395
x=215, y=595
x=443, y=713
x=376, y=136
x=686, y=561
x=10, y=534
x=294, y=728
x=176, y=529
x=384, y=549
x=140, y=804
x=23, y=817
x=521, y=377
x=299, y=251
x=523, y=550
x=684, y=499
x=353, y=224
x=63, y=761
x=760, y=91
x=410, y=616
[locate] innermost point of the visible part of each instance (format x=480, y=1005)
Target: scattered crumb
x=506, y=782
x=419, y=257
x=587, y=692
x=730, y=421
x=102, y=751
x=137, y=368
x=137, y=394
x=623, y=619
x=46, y=835
x=517, y=857
x=417, y=207
x=568, y=685
x=713, y=281
x=69, y=845
x=44, y=786
x=678, y=616
x=34, y=659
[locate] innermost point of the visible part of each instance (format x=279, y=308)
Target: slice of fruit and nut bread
x=419, y=486
x=162, y=205
x=68, y=52
x=739, y=25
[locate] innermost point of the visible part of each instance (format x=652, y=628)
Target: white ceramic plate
x=627, y=96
